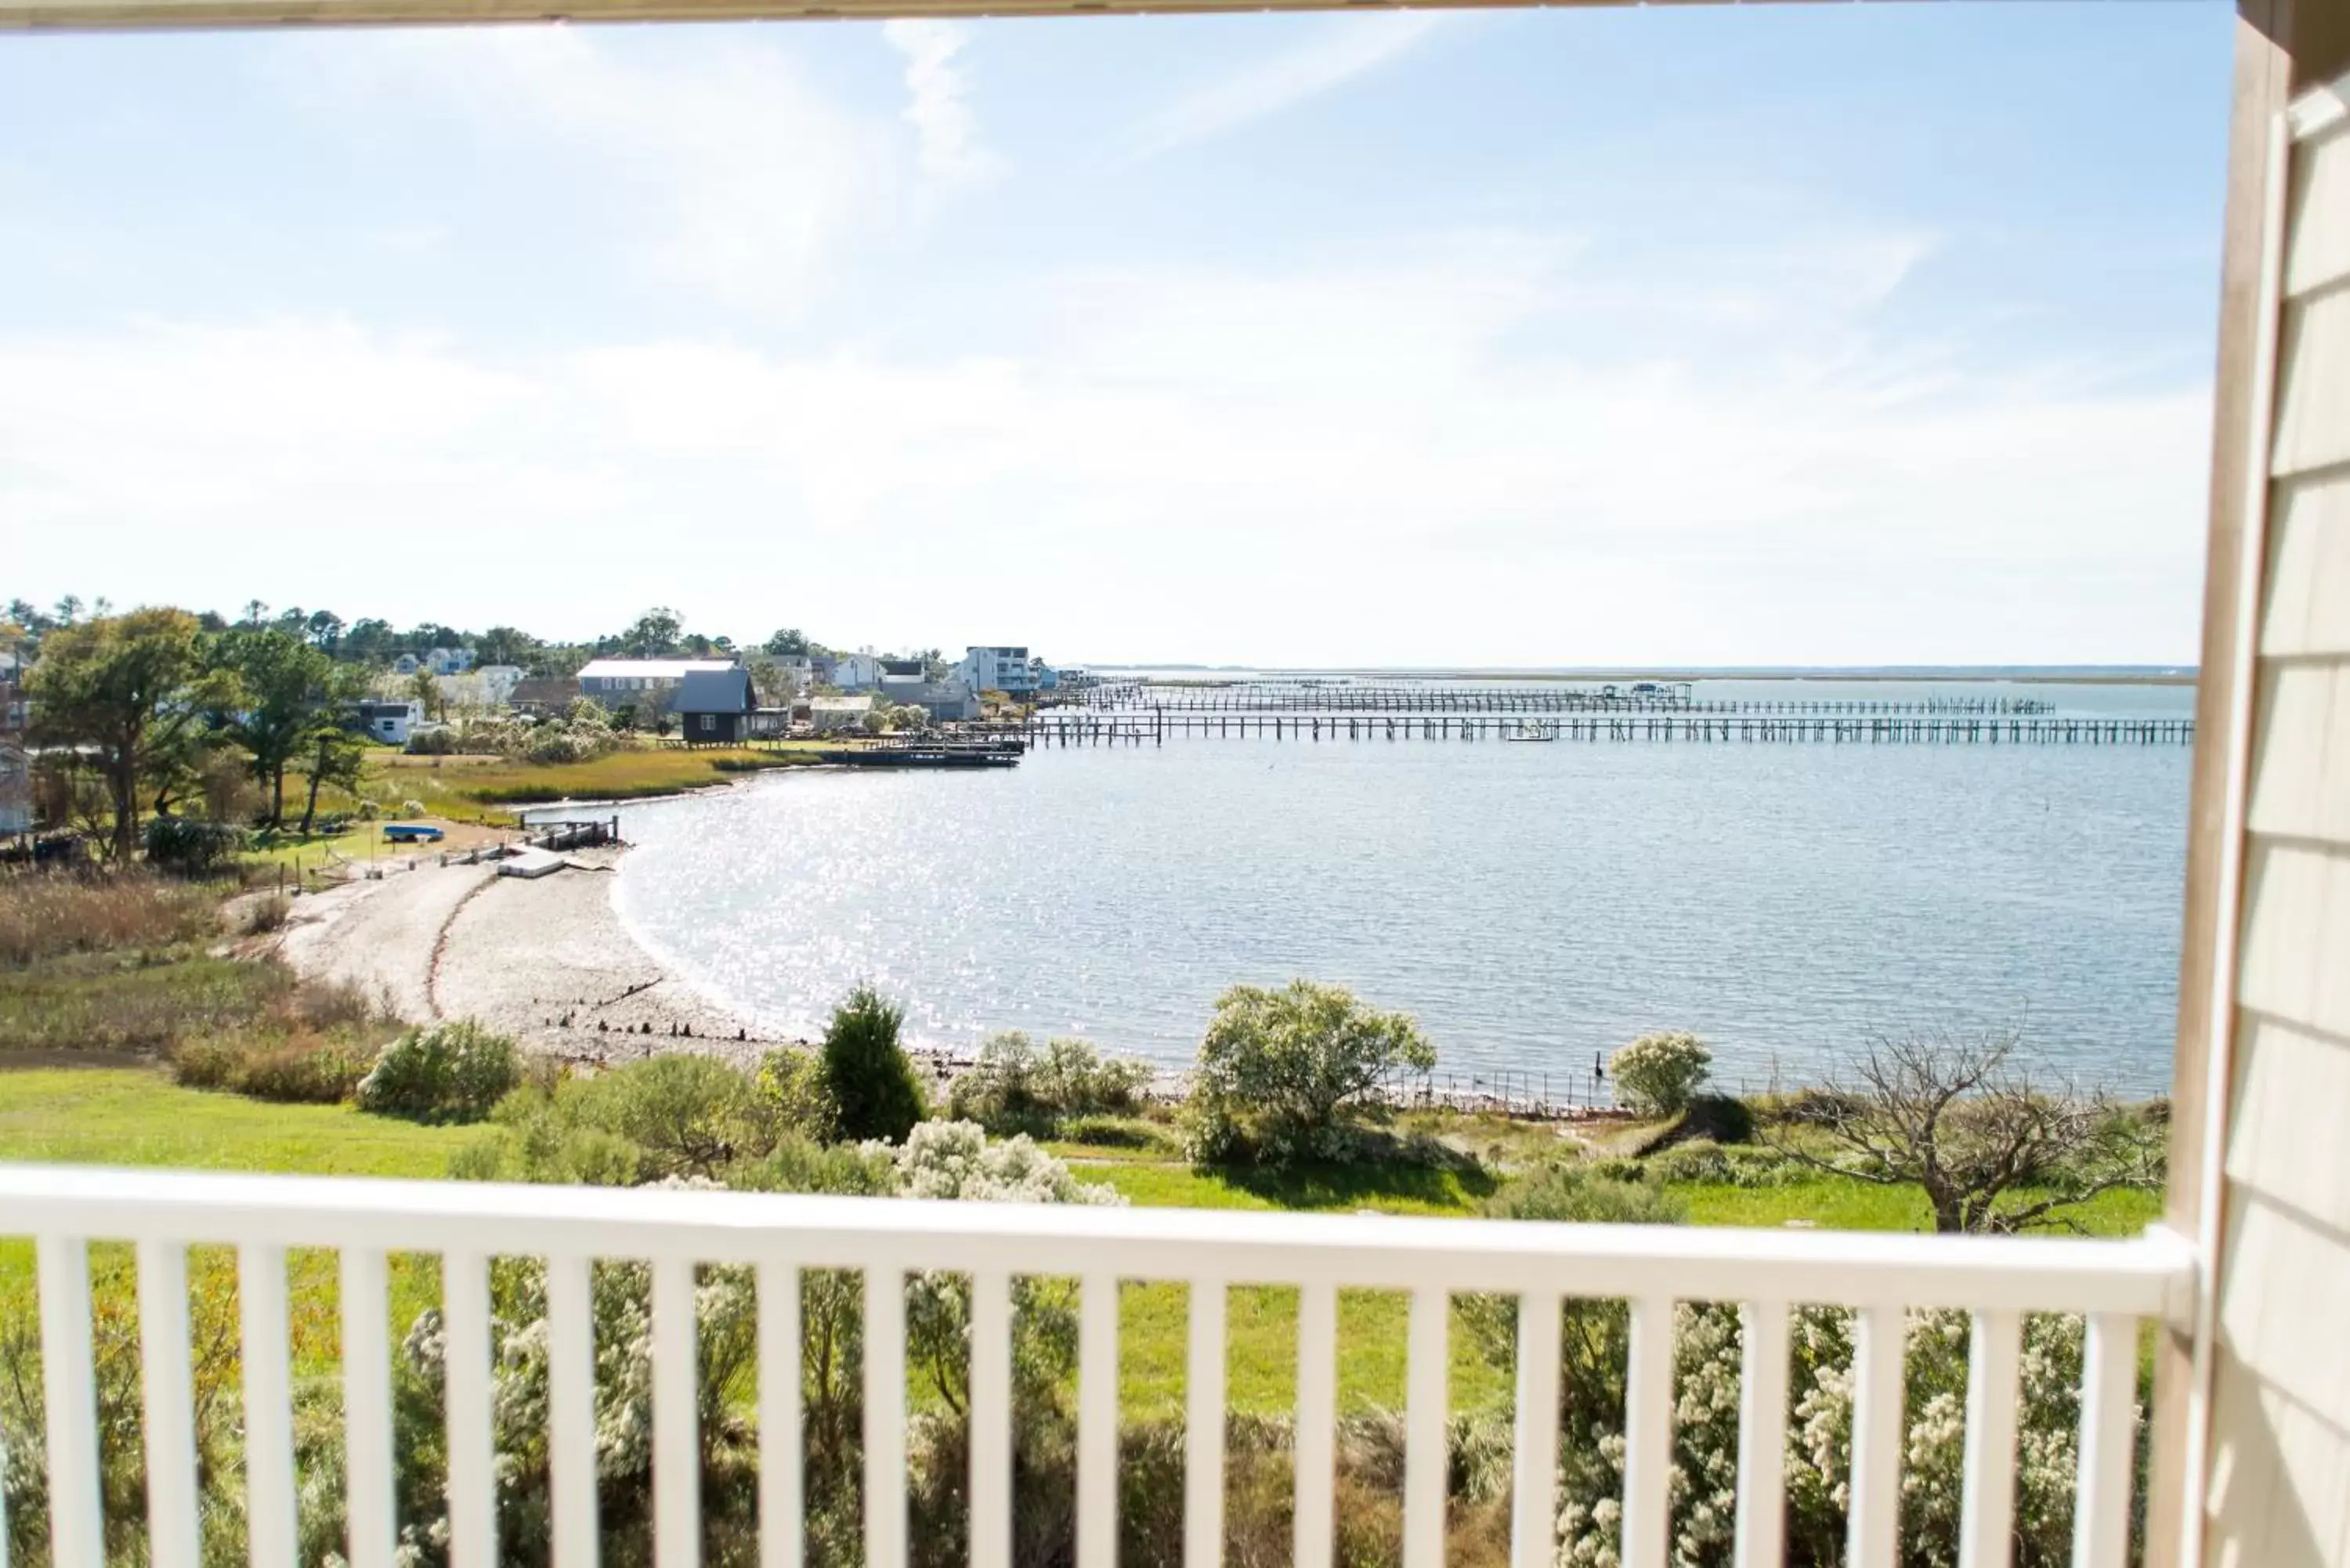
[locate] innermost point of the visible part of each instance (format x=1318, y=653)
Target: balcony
x=2116, y=1285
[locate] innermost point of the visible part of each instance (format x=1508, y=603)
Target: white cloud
x=936, y=107
x=1393, y=463
x=752, y=181
x=1339, y=50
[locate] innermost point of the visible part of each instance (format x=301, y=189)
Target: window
x=709, y=723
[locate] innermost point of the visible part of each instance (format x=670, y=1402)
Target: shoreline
x=547, y=959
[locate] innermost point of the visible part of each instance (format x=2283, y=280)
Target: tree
x=1961, y=1116
x=1656, y=1073
x=124, y=687
x=867, y=1072
x=785, y=643
x=425, y=687
x=325, y=629
x=280, y=686
x=1287, y=1075
x=335, y=753
x=655, y=633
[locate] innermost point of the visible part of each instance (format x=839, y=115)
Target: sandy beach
x=547, y=959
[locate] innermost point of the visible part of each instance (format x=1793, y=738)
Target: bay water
x=1532, y=904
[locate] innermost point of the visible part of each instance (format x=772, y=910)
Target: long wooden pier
x=1061, y=727
x=1138, y=698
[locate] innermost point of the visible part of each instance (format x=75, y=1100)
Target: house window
x=709, y=722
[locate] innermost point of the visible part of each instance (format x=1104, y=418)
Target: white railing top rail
x=2150, y=1276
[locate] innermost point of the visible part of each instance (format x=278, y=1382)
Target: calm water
x=1531, y=904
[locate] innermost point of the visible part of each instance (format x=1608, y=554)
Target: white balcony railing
x=2115, y=1283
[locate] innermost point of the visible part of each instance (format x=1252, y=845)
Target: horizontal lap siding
x=2282, y=1376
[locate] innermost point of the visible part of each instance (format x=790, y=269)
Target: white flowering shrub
x=1289, y=1074
x=1656, y=1073
x=451, y=1072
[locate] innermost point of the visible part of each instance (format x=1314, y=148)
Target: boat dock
x=1140, y=697
x=1061, y=727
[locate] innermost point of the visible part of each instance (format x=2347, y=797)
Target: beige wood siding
x=2279, y=1476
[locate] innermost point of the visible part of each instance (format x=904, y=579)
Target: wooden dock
x=1143, y=698
x=1061, y=727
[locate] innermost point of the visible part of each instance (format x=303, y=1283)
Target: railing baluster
x=885, y=1417
x=677, y=1427
x=1648, y=1434
x=1425, y=1460
x=1874, y=1527
x=1317, y=1415
x=1987, y=1505
x=473, y=1491
x=1097, y=1423
x=1203, y=1429
x=1763, y=1436
x=571, y=1409
x=69, y=1395
x=1533, y=1486
x=372, y=1528
x=783, y=1528
x=2109, y=1414
x=269, y=1405
x=169, y=1416
x=991, y=1419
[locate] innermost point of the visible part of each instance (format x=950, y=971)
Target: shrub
x=259, y=913
x=1656, y=1073
x=451, y=1072
x=689, y=1115
x=866, y=1072
x=303, y=1069
x=1289, y=1074
x=190, y=847
x=789, y=1096
x=1015, y=1088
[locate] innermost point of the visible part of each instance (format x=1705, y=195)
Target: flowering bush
x=1656, y=1073
x=1287, y=1075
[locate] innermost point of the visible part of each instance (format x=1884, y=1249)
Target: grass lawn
x=132, y=1115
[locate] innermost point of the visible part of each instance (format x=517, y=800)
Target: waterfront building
x=716, y=707
x=997, y=669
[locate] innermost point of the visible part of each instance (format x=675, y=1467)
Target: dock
x=1061, y=727
x=1292, y=697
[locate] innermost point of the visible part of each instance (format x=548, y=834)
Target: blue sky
x=1842, y=333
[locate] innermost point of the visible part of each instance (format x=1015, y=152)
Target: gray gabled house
x=715, y=706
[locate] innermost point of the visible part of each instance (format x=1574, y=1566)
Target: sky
x=1678, y=335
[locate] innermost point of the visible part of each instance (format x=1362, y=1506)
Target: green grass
x=128, y=1001
x=136, y=1117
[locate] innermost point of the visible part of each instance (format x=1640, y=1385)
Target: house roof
x=726, y=690
x=649, y=668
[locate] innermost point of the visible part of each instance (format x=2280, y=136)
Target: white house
x=857, y=672
x=449, y=660
x=392, y=720
x=1004, y=670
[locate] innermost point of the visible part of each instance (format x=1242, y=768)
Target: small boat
x=411, y=832
x=1533, y=736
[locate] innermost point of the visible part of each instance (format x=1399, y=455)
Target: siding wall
x=2280, y=1478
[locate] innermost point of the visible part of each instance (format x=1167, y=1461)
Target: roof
x=649, y=668
x=860, y=703
x=901, y=667
x=726, y=690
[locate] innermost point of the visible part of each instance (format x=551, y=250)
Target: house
x=618, y=681
x=997, y=669
x=392, y=720
x=715, y=706
x=407, y=664
x=824, y=670
x=540, y=694
x=857, y=672
x=794, y=672
x=840, y=715
x=941, y=700
x=449, y=660
x=498, y=682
